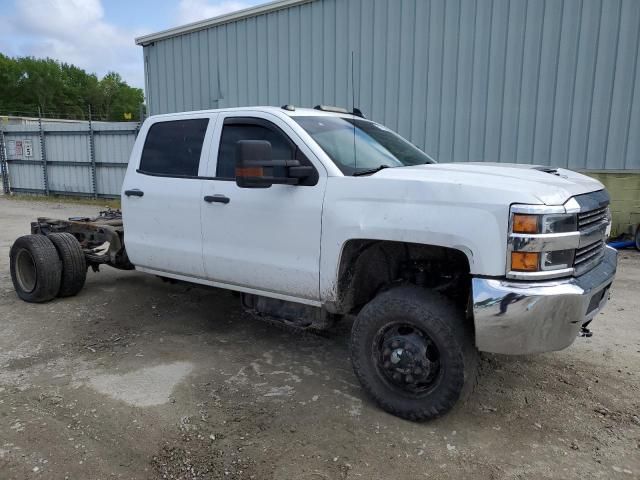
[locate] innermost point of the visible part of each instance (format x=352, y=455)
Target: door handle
x=134, y=193
x=217, y=198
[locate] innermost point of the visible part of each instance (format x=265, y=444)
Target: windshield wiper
x=371, y=171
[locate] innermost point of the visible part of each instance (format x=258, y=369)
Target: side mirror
x=256, y=168
x=252, y=156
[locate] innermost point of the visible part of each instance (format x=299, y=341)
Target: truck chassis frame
x=101, y=238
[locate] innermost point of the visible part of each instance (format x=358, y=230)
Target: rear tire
x=36, y=269
x=74, y=264
x=413, y=353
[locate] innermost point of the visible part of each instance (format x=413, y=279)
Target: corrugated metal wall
x=539, y=81
x=70, y=166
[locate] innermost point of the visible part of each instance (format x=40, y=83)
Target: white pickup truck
x=316, y=215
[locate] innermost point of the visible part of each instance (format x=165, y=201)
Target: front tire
x=36, y=270
x=412, y=353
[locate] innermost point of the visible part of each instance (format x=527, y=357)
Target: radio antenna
x=353, y=83
x=353, y=109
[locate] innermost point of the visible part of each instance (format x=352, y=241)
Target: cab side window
x=173, y=148
x=234, y=131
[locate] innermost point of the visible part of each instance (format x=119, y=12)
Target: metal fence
x=87, y=159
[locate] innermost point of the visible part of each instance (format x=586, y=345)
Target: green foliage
x=64, y=91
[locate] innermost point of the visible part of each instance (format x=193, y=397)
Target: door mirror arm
x=301, y=172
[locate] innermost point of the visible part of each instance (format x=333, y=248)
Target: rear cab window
x=173, y=148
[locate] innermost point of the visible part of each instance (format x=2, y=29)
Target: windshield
x=357, y=145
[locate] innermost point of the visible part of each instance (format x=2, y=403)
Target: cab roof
x=295, y=112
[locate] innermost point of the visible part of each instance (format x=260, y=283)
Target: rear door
x=162, y=195
x=265, y=239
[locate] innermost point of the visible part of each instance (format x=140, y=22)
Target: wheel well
x=370, y=266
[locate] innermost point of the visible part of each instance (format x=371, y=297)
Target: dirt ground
x=135, y=378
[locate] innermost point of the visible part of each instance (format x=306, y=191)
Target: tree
x=64, y=90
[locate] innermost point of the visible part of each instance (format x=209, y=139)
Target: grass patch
x=99, y=202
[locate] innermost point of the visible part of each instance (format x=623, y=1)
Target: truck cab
x=318, y=215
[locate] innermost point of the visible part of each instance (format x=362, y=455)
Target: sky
x=98, y=35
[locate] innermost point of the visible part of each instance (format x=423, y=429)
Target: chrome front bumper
x=513, y=317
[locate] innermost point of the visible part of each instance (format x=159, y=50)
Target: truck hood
x=551, y=186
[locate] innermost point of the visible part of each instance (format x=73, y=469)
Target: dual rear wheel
x=45, y=267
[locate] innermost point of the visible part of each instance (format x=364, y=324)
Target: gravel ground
x=135, y=378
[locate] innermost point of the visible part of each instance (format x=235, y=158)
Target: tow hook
x=585, y=332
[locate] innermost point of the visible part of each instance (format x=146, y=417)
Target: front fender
x=375, y=210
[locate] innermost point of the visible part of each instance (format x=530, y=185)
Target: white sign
x=28, y=148
x=11, y=148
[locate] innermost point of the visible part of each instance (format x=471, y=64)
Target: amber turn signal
x=249, y=172
x=525, y=261
x=525, y=223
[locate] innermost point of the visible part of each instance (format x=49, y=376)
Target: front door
x=265, y=239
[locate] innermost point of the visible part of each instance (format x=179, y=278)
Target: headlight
x=536, y=223
x=542, y=242
x=560, y=259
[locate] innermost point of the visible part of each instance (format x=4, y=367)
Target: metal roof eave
x=222, y=19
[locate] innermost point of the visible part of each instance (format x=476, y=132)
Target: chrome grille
x=592, y=217
x=589, y=253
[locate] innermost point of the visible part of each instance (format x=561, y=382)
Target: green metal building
x=551, y=82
